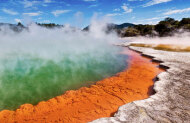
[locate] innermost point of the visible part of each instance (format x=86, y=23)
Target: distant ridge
x=111, y=26
x=15, y=27
x=124, y=25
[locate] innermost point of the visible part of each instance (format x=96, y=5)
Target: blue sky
x=79, y=12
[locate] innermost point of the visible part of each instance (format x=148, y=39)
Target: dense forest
x=50, y=25
x=167, y=27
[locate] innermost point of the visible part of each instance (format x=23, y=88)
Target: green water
x=29, y=79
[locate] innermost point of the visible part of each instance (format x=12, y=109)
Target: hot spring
x=39, y=63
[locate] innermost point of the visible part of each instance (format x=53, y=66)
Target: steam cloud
x=39, y=63
x=181, y=38
x=49, y=42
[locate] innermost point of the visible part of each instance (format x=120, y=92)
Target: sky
x=80, y=13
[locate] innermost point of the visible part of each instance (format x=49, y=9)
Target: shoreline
x=99, y=100
x=170, y=103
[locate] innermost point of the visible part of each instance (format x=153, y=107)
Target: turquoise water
x=28, y=78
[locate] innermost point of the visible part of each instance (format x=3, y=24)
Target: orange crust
x=97, y=101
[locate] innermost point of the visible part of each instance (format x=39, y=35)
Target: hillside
x=167, y=27
x=114, y=27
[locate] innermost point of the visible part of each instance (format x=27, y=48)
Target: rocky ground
x=171, y=103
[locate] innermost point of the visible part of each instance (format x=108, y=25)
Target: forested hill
x=167, y=27
x=111, y=26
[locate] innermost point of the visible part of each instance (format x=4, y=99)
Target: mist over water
x=181, y=38
x=39, y=63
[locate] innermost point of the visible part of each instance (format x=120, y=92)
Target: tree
x=49, y=25
x=184, y=21
x=131, y=31
x=20, y=24
x=163, y=28
x=170, y=20
x=145, y=29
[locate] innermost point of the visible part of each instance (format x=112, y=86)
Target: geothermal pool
x=99, y=100
x=37, y=63
x=25, y=78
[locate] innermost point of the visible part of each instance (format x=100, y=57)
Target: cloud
x=155, y=18
x=1, y=18
x=33, y=13
x=146, y=22
x=45, y=5
x=39, y=18
x=126, y=8
x=46, y=21
x=116, y=10
x=154, y=2
x=134, y=0
x=8, y=11
x=78, y=14
x=113, y=14
x=27, y=3
x=47, y=1
x=177, y=11
x=17, y=20
x=91, y=6
x=89, y=0
x=150, y=19
x=79, y=18
x=59, y=12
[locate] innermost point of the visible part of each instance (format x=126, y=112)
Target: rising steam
x=180, y=38
x=39, y=63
